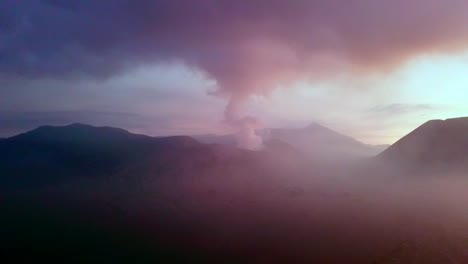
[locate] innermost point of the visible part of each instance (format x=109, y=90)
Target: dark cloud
x=398, y=109
x=247, y=46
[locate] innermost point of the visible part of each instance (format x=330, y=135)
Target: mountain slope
x=323, y=143
x=49, y=154
x=435, y=143
x=52, y=155
x=316, y=141
x=228, y=140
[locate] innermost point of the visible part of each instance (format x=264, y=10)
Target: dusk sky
x=371, y=69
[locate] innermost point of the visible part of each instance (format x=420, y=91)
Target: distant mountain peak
x=314, y=140
x=314, y=125
x=321, y=142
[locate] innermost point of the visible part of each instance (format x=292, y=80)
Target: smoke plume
x=245, y=126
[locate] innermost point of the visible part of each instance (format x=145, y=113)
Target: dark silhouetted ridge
x=436, y=142
x=55, y=153
x=229, y=140
x=76, y=132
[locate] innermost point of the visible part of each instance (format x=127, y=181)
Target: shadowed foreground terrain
x=89, y=194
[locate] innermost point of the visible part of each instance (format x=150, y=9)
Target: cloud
x=399, y=109
x=246, y=46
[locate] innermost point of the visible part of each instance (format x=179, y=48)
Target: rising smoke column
x=245, y=126
x=254, y=66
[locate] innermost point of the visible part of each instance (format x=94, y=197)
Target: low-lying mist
x=278, y=209
x=120, y=197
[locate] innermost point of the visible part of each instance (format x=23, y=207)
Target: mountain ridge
x=51, y=155
x=310, y=136
x=317, y=140
x=436, y=142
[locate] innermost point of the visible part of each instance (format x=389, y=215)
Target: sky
x=371, y=69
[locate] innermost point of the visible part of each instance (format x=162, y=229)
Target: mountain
x=103, y=191
x=435, y=143
x=320, y=142
x=52, y=154
x=229, y=140
x=315, y=140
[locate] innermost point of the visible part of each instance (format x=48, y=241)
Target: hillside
x=60, y=154
x=435, y=143
x=314, y=141
x=56, y=154
x=321, y=142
